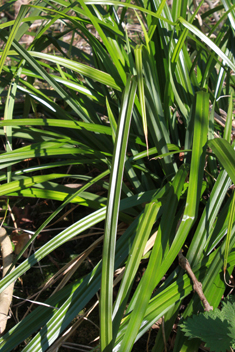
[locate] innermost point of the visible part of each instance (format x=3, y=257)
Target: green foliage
x=86, y=100
x=216, y=328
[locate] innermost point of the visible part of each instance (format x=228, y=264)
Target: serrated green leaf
x=211, y=329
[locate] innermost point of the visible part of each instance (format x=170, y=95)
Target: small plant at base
x=216, y=327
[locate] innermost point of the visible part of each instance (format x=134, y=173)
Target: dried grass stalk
x=6, y=295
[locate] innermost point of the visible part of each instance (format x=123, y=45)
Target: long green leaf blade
x=226, y=155
x=112, y=214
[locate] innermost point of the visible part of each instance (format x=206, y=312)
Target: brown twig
x=197, y=286
x=6, y=295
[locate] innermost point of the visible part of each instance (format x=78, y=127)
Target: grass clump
x=138, y=134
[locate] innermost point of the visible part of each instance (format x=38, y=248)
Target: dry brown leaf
x=19, y=241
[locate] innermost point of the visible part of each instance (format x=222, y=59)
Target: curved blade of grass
x=94, y=140
x=55, y=195
x=231, y=16
x=117, y=3
x=31, y=18
x=36, y=319
x=106, y=57
x=78, y=67
x=222, y=149
x=139, y=303
x=13, y=33
x=212, y=287
x=41, y=167
x=37, y=135
x=8, y=115
x=208, y=41
x=45, y=99
x=180, y=71
x=140, y=82
x=57, y=241
x=89, y=286
x=152, y=151
x=72, y=306
x=41, y=71
x=113, y=52
x=180, y=43
x=83, y=15
x=203, y=233
x=226, y=155
x=179, y=8
x=47, y=152
x=177, y=97
x=112, y=214
x=27, y=182
x=61, y=238
x=157, y=133
x=69, y=82
x=32, y=15
x=167, y=297
x=219, y=41
x=143, y=231
x=200, y=115
x=200, y=118
x=200, y=240
x=229, y=233
x=69, y=198
x=112, y=120
x=59, y=123
x=221, y=227
x=229, y=121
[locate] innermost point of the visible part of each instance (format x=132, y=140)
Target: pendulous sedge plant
x=154, y=116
